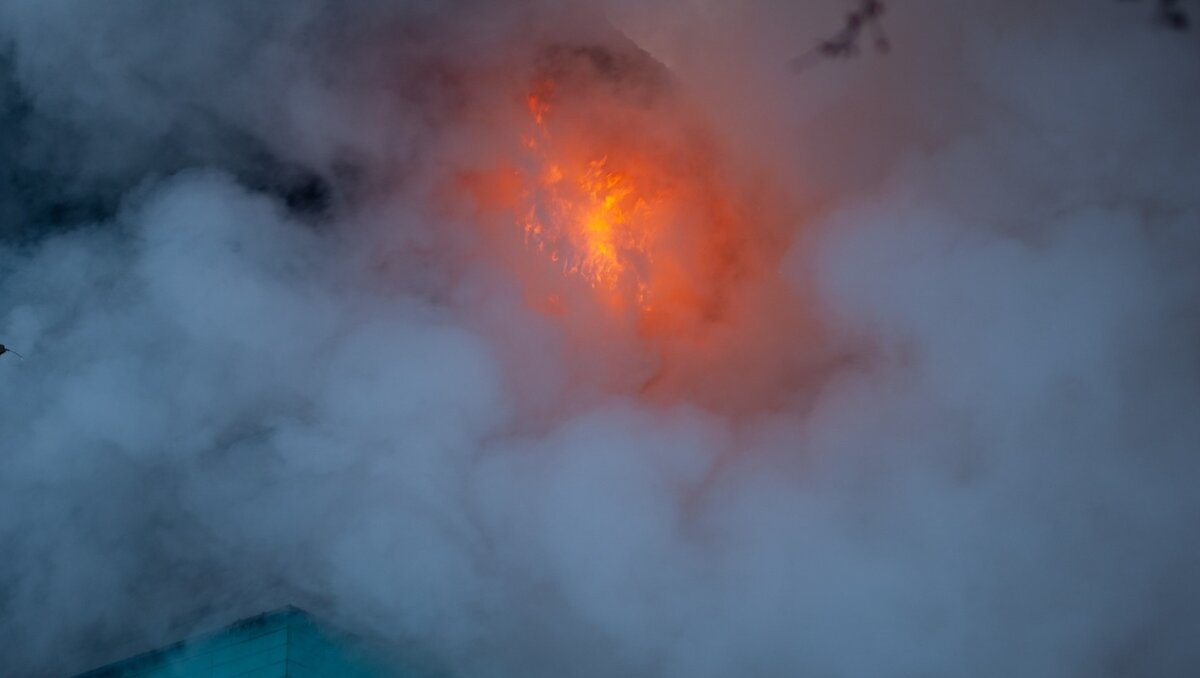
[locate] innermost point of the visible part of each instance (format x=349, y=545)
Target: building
x=285, y=643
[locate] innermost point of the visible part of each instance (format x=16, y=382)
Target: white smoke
x=265, y=365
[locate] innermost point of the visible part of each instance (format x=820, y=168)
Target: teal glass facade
x=286, y=643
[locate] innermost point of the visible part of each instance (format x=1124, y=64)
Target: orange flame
x=595, y=220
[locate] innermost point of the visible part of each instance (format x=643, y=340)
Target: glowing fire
x=616, y=210
x=596, y=220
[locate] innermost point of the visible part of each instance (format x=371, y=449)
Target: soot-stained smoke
x=587, y=339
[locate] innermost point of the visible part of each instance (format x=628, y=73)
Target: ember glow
x=596, y=220
x=619, y=191
x=625, y=217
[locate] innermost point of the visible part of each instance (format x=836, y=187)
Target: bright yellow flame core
x=593, y=220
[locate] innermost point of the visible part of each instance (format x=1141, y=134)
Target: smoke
x=936, y=417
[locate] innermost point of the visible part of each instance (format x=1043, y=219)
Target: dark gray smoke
x=275, y=355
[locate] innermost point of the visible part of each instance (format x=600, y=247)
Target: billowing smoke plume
x=936, y=414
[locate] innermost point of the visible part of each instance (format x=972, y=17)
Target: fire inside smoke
x=618, y=189
x=597, y=221
x=649, y=239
